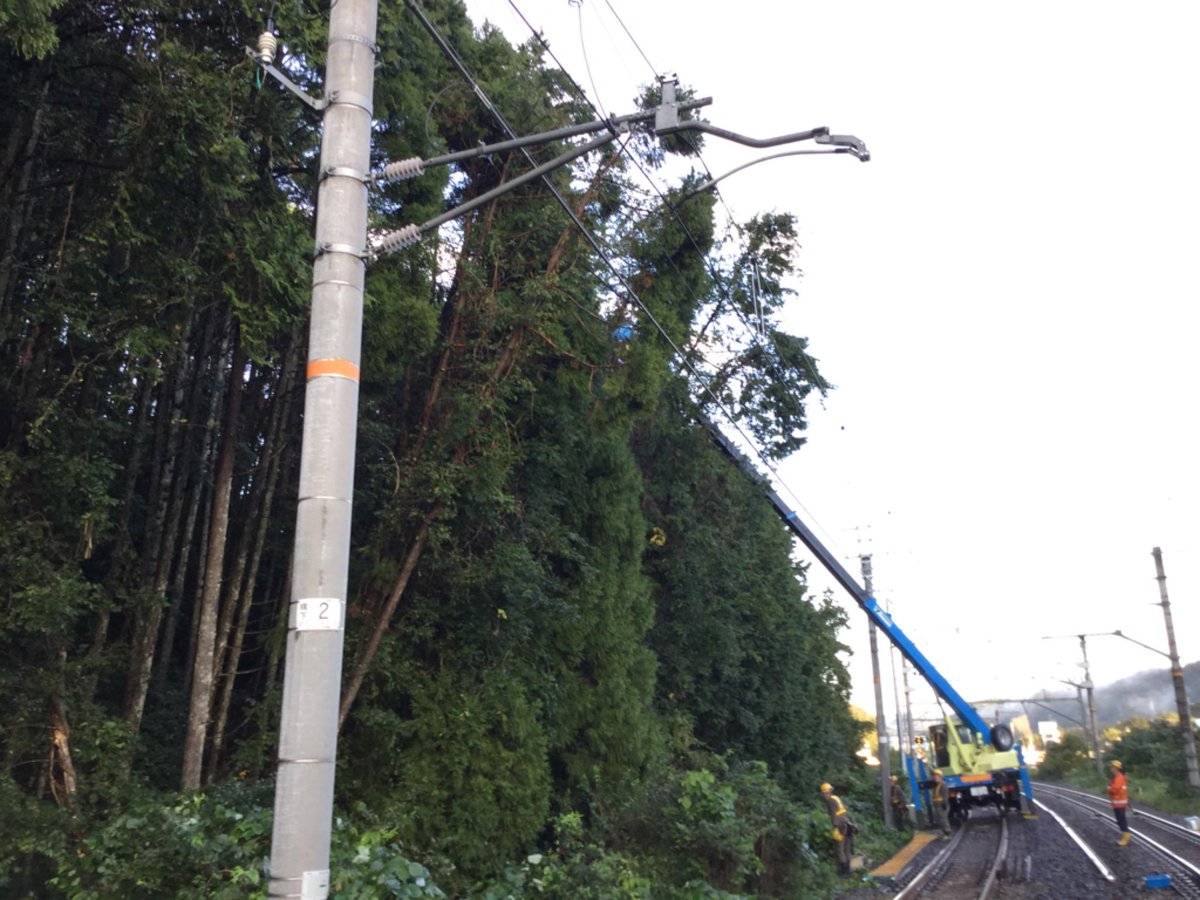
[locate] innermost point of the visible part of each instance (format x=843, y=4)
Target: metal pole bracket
x=318, y=105
x=345, y=172
x=327, y=247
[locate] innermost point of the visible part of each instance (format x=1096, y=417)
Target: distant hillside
x=1149, y=694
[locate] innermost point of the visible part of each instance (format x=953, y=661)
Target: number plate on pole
x=319, y=614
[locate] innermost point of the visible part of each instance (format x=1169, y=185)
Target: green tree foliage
x=752, y=662
x=1155, y=746
x=528, y=672
x=28, y=26
x=1065, y=757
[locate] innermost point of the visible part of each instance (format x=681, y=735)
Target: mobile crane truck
x=981, y=764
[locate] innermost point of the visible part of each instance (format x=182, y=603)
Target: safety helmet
x=826, y=787
x=1116, y=764
x=937, y=771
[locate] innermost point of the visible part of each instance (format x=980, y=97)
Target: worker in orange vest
x=1118, y=792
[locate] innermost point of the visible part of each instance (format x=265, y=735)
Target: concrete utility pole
x=1091, y=699
x=1082, y=720
x=1181, y=701
x=885, y=756
x=900, y=746
x=316, y=617
x=908, y=719
x=1091, y=695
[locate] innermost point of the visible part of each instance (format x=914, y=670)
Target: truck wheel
x=1002, y=738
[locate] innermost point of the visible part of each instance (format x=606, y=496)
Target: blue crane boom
x=870, y=605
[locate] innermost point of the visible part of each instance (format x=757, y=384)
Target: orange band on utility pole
x=342, y=368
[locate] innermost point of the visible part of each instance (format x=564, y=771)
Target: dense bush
x=1151, y=752
x=212, y=845
x=1065, y=758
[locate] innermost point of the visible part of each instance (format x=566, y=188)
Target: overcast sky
x=1005, y=297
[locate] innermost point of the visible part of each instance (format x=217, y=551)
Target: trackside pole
x=299, y=865
x=1181, y=700
x=885, y=756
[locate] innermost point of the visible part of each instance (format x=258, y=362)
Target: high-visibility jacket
x=837, y=814
x=1118, y=790
x=939, y=793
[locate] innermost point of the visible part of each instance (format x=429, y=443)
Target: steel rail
x=941, y=857
x=1001, y=854
x=945, y=856
x=1080, y=842
x=1148, y=842
x=1140, y=814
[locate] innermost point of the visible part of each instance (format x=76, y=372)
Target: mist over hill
x=1147, y=694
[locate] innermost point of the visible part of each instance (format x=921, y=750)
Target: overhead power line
x=590, y=238
x=717, y=280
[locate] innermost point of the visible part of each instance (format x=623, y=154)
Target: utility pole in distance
x=885, y=756
x=1091, y=699
x=1181, y=702
x=1091, y=694
x=316, y=616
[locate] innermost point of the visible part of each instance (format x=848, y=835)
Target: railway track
x=967, y=866
x=1159, y=846
x=1175, y=836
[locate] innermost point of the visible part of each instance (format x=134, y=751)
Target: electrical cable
x=587, y=65
x=713, y=273
x=717, y=281
x=591, y=240
x=653, y=70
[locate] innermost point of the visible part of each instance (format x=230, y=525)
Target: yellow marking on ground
x=896, y=864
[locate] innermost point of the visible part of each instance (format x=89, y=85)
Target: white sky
x=1005, y=297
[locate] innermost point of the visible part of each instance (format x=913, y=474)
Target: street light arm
x=697, y=125
x=847, y=142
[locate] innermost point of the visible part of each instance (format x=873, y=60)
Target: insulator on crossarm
x=267, y=45
x=401, y=169
x=398, y=240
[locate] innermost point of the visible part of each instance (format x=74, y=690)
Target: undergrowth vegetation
x=1151, y=752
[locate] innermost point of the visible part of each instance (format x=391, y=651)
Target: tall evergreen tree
x=517, y=648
